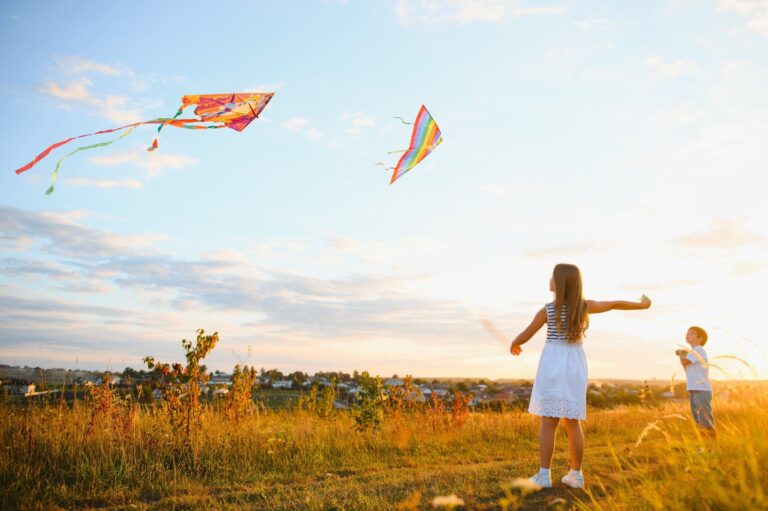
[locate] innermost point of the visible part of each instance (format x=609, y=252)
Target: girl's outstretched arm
x=539, y=320
x=595, y=307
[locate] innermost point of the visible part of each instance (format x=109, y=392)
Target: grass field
x=58, y=456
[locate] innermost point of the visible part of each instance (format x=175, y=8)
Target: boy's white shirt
x=697, y=373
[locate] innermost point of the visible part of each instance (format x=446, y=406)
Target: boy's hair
x=701, y=333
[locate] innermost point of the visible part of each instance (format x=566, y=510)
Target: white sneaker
x=543, y=481
x=573, y=480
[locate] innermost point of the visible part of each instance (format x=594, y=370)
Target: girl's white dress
x=560, y=388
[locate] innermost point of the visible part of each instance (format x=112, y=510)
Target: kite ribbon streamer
x=45, y=153
x=84, y=148
x=59, y=144
x=154, y=142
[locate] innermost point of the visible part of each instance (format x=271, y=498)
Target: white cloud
x=463, y=12
x=77, y=65
x=363, y=121
x=595, y=24
x=723, y=234
x=303, y=125
x=570, y=249
x=265, y=87
x=683, y=114
x=103, y=183
x=152, y=163
x=296, y=123
x=357, y=122
x=315, y=133
x=76, y=89
x=73, y=88
x=77, y=92
x=113, y=159
x=155, y=163
x=670, y=68
x=756, y=12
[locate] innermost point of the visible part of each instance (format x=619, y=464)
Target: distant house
x=396, y=382
x=478, y=389
x=506, y=396
x=282, y=384
x=82, y=380
x=522, y=392
x=221, y=379
x=440, y=393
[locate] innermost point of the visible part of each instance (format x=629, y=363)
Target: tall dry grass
x=86, y=456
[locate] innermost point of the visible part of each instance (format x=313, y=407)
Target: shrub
x=181, y=385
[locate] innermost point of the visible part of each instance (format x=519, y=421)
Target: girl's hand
x=645, y=302
x=515, y=349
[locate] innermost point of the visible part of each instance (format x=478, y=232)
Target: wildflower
x=450, y=501
x=526, y=485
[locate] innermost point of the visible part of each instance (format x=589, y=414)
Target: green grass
x=284, y=460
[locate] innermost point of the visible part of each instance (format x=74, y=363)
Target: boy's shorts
x=701, y=408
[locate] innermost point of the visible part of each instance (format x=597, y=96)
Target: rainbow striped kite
x=425, y=137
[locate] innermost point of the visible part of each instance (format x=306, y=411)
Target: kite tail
x=59, y=144
x=153, y=147
x=83, y=148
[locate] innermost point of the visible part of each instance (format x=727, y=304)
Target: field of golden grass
x=95, y=456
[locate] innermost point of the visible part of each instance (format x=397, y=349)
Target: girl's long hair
x=570, y=293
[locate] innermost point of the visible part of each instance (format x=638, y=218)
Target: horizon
x=656, y=381
x=569, y=135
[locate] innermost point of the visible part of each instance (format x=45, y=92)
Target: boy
x=696, y=367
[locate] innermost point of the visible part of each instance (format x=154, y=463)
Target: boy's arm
x=595, y=307
x=539, y=320
x=685, y=362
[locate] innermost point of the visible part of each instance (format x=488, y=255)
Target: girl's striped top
x=553, y=335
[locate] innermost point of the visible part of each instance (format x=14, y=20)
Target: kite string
x=84, y=148
x=403, y=120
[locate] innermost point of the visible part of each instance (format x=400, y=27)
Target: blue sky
x=628, y=138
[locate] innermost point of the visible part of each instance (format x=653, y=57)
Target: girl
x=560, y=388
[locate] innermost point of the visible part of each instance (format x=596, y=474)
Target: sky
x=625, y=137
